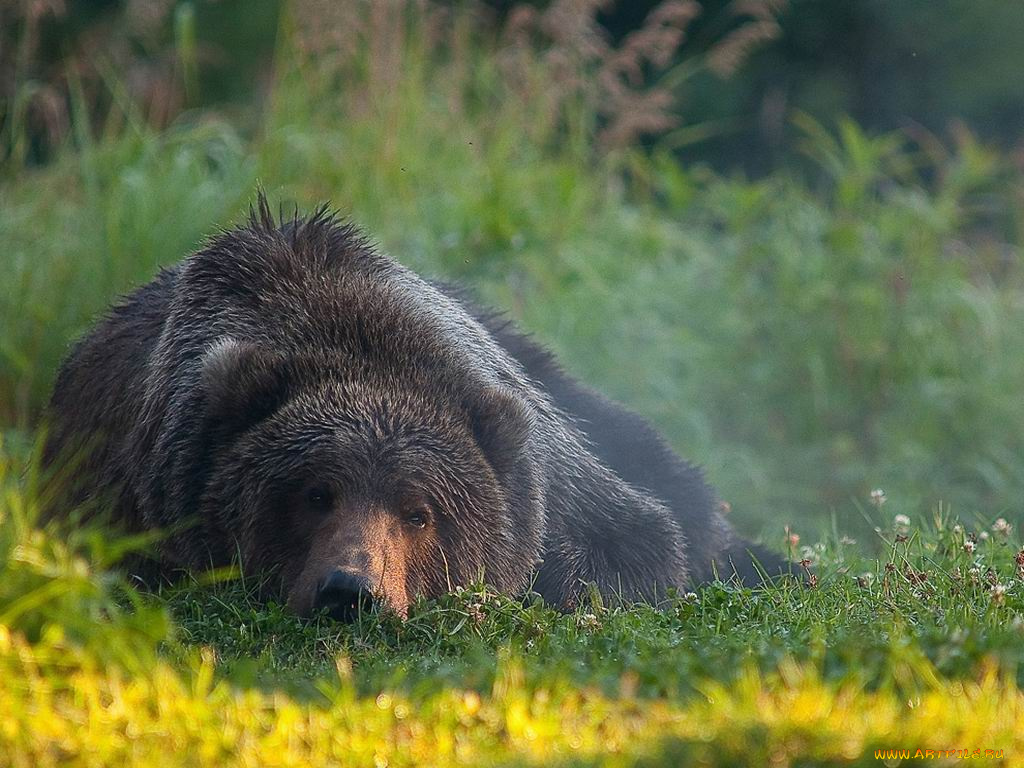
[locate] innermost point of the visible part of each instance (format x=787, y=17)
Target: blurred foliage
x=105, y=62
x=806, y=340
x=922, y=65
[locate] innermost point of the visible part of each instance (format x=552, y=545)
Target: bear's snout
x=358, y=549
x=344, y=595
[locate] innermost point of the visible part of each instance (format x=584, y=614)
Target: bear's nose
x=344, y=595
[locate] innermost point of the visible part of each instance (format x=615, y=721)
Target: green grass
x=808, y=338
x=919, y=649
x=886, y=631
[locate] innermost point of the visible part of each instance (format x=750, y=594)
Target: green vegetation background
x=851, y=320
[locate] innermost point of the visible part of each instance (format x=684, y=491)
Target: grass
x=920, y=649
x=805, y=346
x=807, y=337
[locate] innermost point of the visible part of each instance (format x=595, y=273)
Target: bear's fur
x=293, y=397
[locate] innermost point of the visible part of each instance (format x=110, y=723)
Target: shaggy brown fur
x=362, y=433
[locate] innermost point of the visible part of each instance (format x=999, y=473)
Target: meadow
x=852, y=323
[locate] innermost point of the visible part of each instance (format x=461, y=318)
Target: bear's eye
x=319, y=497
x=417, y=516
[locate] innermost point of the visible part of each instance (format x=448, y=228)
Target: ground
x=916, y=650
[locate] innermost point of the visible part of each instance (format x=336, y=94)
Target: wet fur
x=282, y=335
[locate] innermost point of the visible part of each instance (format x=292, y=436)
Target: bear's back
x=100, y=387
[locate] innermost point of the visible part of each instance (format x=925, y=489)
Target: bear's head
x=356, y=485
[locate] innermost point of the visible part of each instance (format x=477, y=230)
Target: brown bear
x=291, y=397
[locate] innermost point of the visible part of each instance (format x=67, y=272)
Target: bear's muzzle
x=345, y=596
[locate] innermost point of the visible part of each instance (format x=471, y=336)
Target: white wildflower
x=998, y=593
x=1001, y=527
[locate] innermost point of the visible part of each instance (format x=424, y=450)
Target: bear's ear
x=501, y=425
x=243, y=384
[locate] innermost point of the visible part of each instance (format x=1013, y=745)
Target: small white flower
x=878, y=497
x=998, y=592
x=1002, y=527
x=901, y=523
x=969, y=546
x=983, y=535
x=958, y=529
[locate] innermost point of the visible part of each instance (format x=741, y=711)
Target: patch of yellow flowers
x=59, y=706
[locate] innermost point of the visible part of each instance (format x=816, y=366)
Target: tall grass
x=807, y=338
